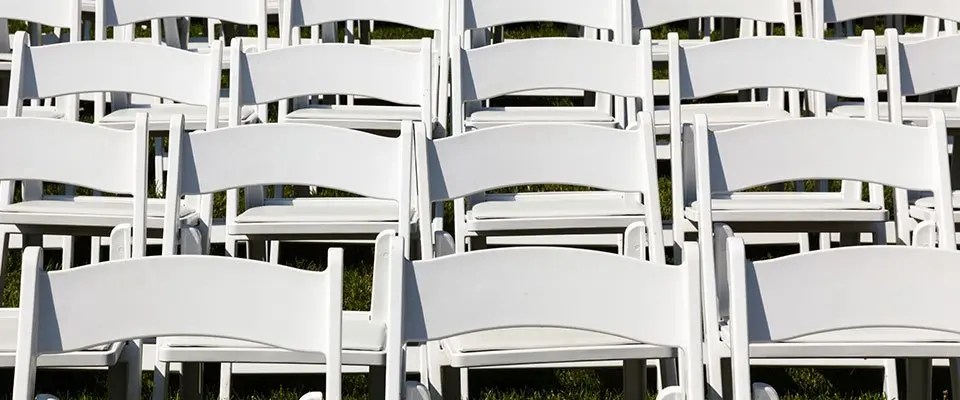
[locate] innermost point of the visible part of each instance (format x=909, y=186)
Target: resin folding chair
x=620, y=160
x=870, y=302
x=120, y=167
x=763, y=62
x=55, y=13
x=431, y=15
x=917, y=68
x=64, y=311
x=354, y=161
x=470, y=294
x=782, y=151
x=400, y=77
x=835, y=11
x=490, y=72
x=121, y=15
x=755, y=16
x=111, y=66
x=472, y=19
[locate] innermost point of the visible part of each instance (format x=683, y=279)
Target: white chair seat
x=356, y=117
x=923, y=208
x=317, y=216
x=496, y=116
x=790, y=207
x=912, y=112
x=363, y=344
x=103, y=355
x=720, y=115
x=87, y=211
x=554, y=210
x=36, y=112
x=160, y=114
x=544, y=345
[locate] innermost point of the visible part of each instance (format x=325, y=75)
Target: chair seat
x=195, y=116
x=36, y=112
x=913, y=112
x=87, y=211
x=317, y=216
x=858, y=343
x=575, y=211
x=923, y=208
x=495, y=116
x=720, y=115
x=544, y=345
x=356, y=117
x=789, y=207
x=97, y=356
x=556, y=205
x=359, y=333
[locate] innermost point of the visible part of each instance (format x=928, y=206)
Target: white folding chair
x=869, y=302
x=400, y=77
x=432, y=15
x=597, y=157
x=789, y=150
x=121, y=15
x=454, y=297
x=60, y=311
x=763, y=62
x=186, y=77
x=120, y=167
x=489, y=72
x=916, y=68
x=358, y=162
x=608, y=20
x=55, y=13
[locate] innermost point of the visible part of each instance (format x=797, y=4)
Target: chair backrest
x=920, y=67
x=431, y=15
x=388, y=74
x=504, y=288
x=116, y=13
x=113, y=66
x=553, y=63
x=832, y=11
x=765, y=62
x=782, y=151
x=80, y=154
x=610, y=15
x=869, y=294
x=55, y=13
x=575, y=154
x=304, y=154
x=649, y=13
x=71, y=310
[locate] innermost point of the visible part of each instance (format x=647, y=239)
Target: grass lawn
x=535, y=384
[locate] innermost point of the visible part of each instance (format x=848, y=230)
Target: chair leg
x=634, y=379
x=161, y=370
x=804, y=241
x=825, y=240
x=449, y=383
x=191, y=241
x=715, y=377
x=134, y=367
x=919, y=374
x=955, y=378
x=891, y=388
x=668, y=372
x=117, y=381
x=95, y=249
x=66, y=259
x=230, y=246
x=464, y=383
x=158, y=154
x=377, y=382
x=4, y=252
x=226, y=376
x=190, y=381
x=275, y=252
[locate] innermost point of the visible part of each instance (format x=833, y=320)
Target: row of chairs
x=764, y=308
